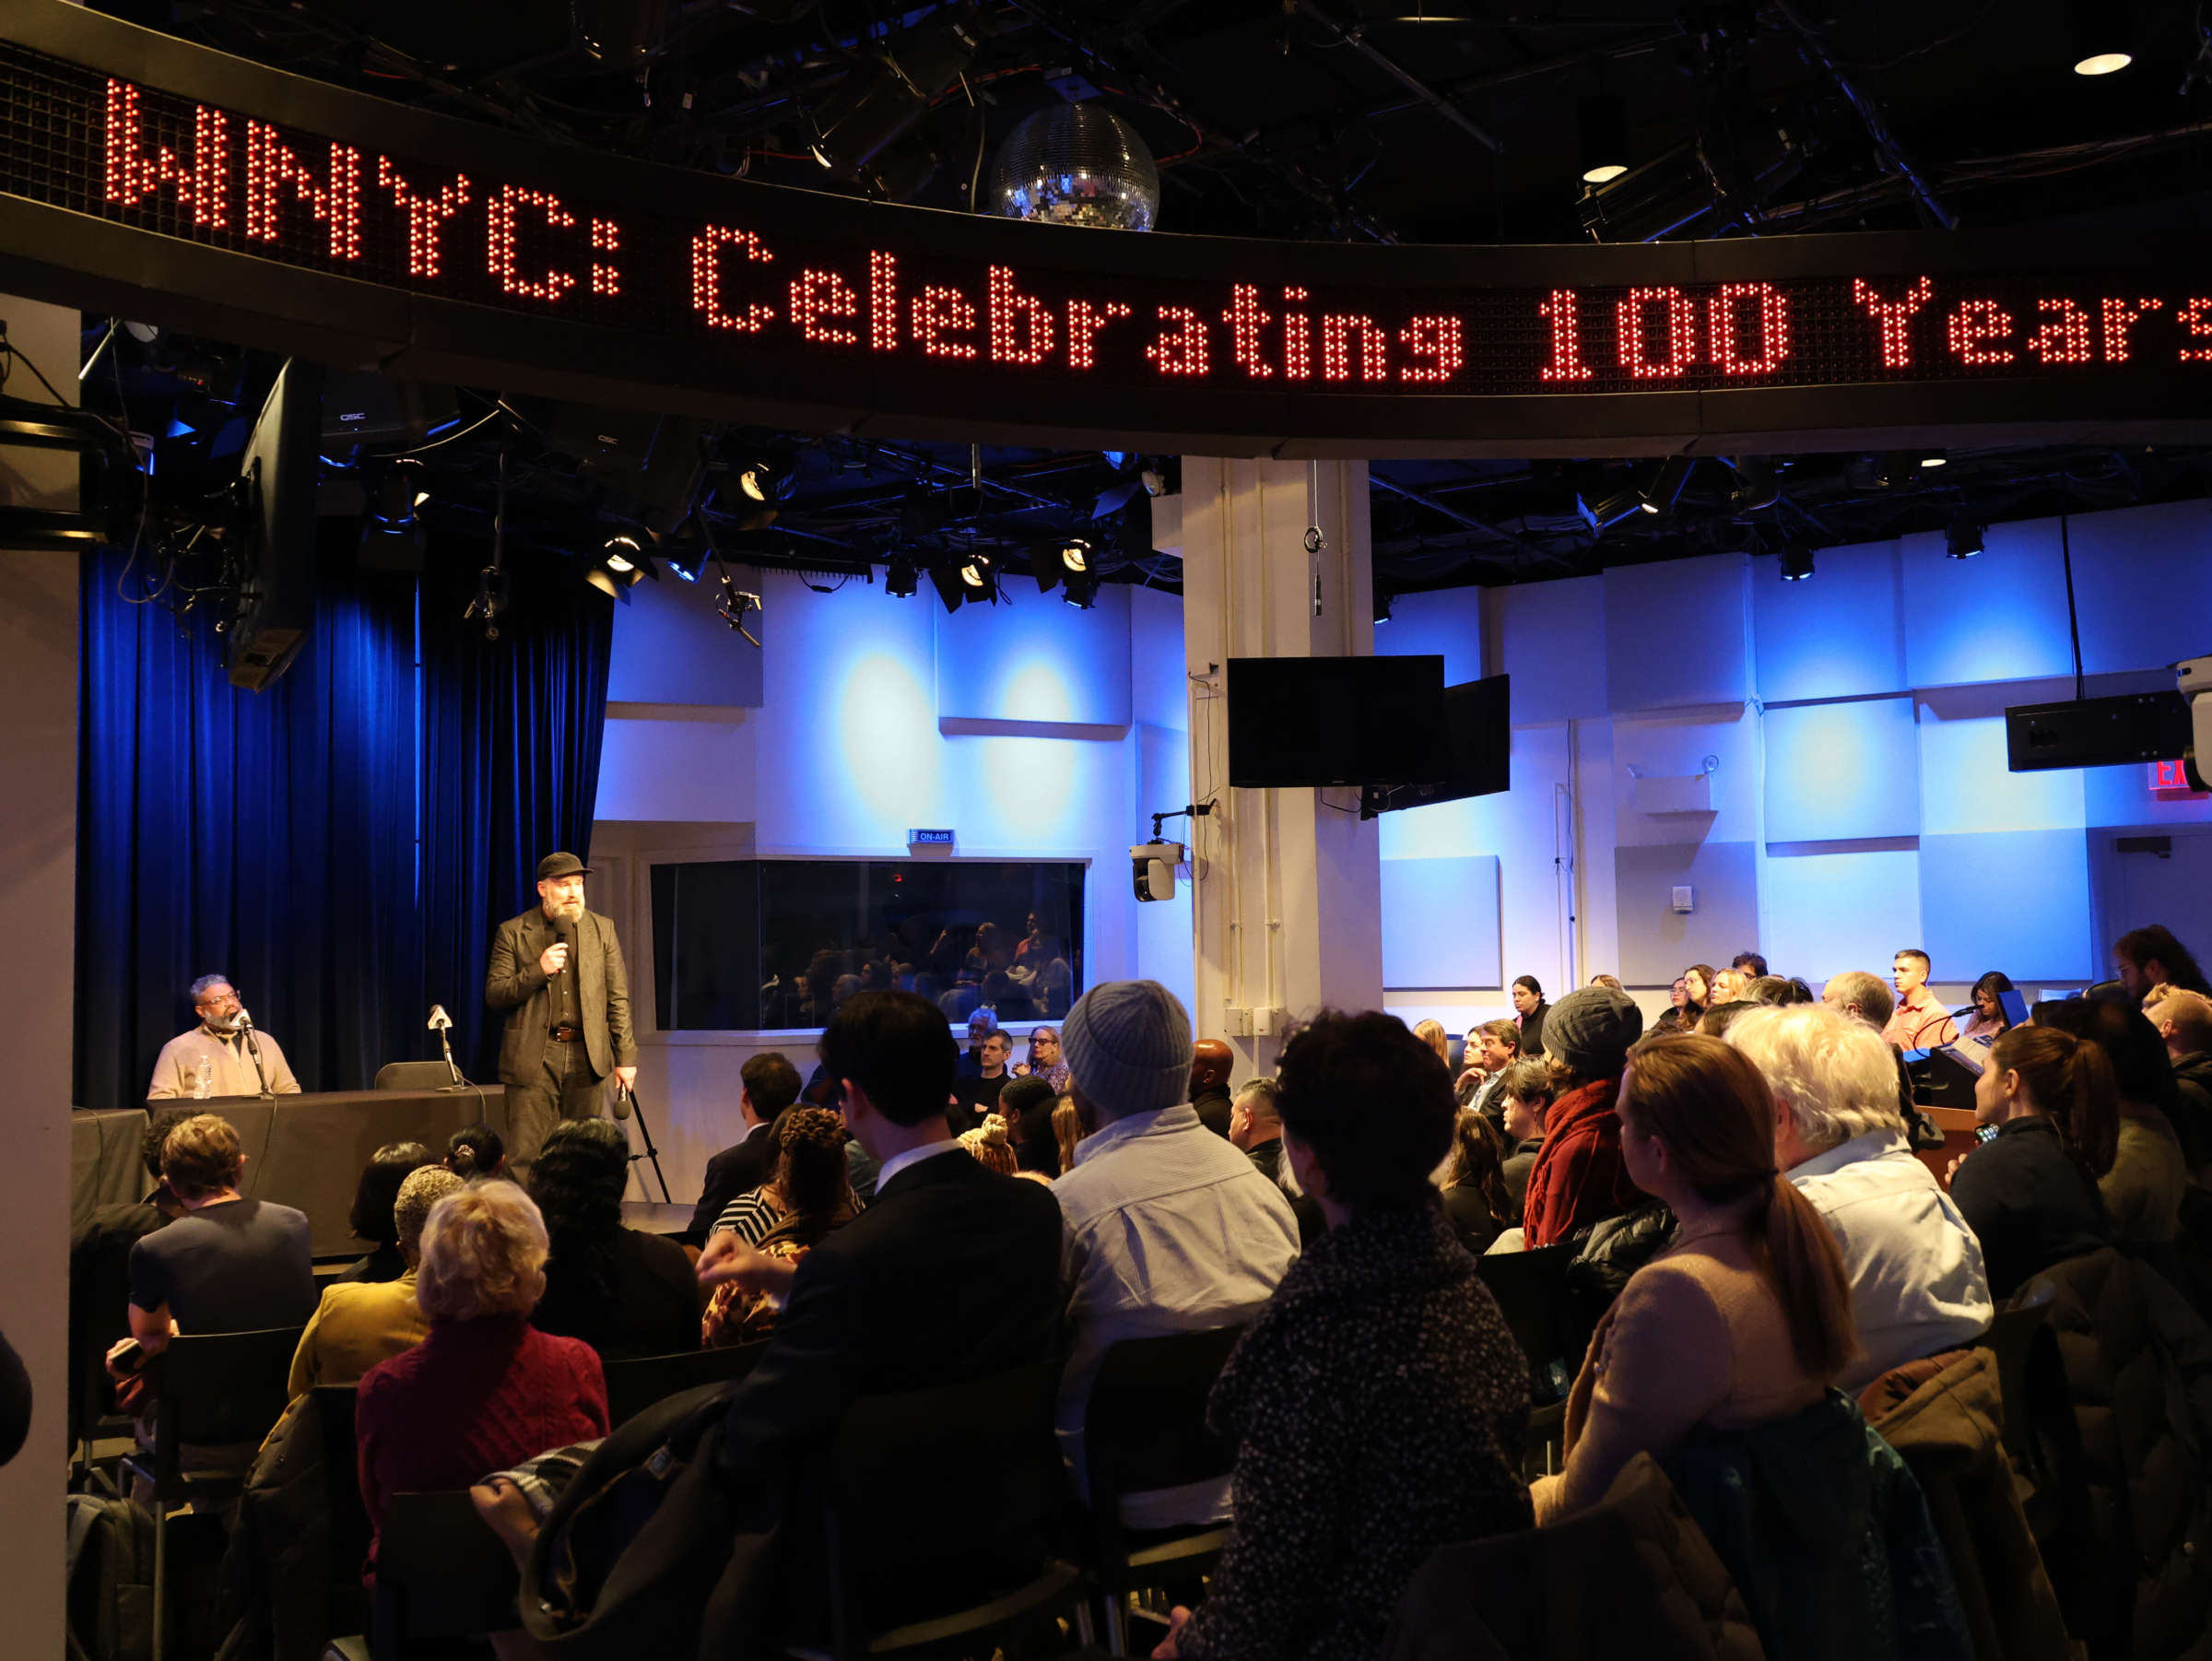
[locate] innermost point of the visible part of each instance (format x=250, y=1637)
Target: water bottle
x=203, y=1077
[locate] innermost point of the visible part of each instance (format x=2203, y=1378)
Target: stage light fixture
x=1935, y=458
x=1082, y=590
x=1665, y=486
x=950, y=589
x=621, y=564
x=2101, y=42
x=764, y=481
x=878, y=103
x=1154, y=481
x=1382, y=606
x=978, y=579
x=1600, y=511
x=1796, y=562
x=900, y=580
x=1961, y=539
x=1602, y=123
x=1756, y=486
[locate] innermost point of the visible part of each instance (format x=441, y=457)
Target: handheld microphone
x=439, y=1021
x=564, y=930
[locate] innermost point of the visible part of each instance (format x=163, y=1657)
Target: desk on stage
x=307, y=1151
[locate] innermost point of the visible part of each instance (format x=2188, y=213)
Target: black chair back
x=1531, y=1289
x=634, y=1385
x=218, y=1388
x=342, y=1472
x=413, y=1075
x=940, y=1501
x=441, y=1572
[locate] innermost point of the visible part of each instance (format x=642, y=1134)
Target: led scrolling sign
x=764, y=292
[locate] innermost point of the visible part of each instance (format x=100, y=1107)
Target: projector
x=1152, y=869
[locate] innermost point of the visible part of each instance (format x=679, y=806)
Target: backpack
x=109, y=1574
x=650, y=1550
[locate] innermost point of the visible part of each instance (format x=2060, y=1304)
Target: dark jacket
x=1606, y=1256
x=1531, y=1028
x=630, y=1295
x=1213, y=1104
x=952, y=1273
x=1579, y=1177
x=1471, y=1217
x=1828, y=1537
x=2193, y=1113
x=513, y=982
x=1515, y=1169
x=1267, y=1160
x=2139, y=1364
x=2029, y=1203
x=1629, y=1577
x=735, y=1169
x=1379, y=1405
x=1947, y=1427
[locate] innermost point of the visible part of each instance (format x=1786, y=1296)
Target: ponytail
x=1713, y=1110
x=2069, y=1080
x=1808, y=1274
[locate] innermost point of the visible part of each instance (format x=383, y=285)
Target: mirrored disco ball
x=1076, y=164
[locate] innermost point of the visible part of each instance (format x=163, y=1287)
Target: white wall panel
x=1440, y=922
x=2000, y=616
x=1842, y=772
x=1032, y=658
x=1446, y=624
x=1827, y=912
x=1965, y=787
x=1553, y=644
x=1839, y=634
x=1678, y=632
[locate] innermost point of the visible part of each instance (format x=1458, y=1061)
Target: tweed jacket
x=513, y=982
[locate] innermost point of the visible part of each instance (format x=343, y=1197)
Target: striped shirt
x=753, y=1216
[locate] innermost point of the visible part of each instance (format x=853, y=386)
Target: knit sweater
x=1378, y=1405
x=473, y=1398
x=1698, y=1338
x=1579, y=1178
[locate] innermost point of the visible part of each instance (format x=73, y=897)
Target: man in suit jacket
x=568, y=1023
x=767, y=1085
x=951, y=1273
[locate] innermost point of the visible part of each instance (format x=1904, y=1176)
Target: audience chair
x=937, y=1497
x=1531, y=1289
x=1145, y=1428
x=348, y=1514
x=441, y=1572
x=634, y=1385
x=413, y=1075
x=215, y=1390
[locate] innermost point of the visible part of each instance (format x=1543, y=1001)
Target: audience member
x=624, y=1292
x=2145, y=957
x=1067, y=1131
x=1766, y=989
x=1527, y=1094
x=980, y=1024
x=1677, y=997
x=1800, y=992
x=2149, y=1173
x=766, y=1084
x=1988, y=1018
x=976, y=1094
x=1696, y=997
x=950, y=1274
x=362, y=1323
x=989, y=1144
x=485, y=1389
x=1750, y=965
x=1721, y=1017
x=1918, y=1286
x=1475, y=1198
x=1045, y=1061
x=1167, y=1226
x=1856, y=993
x=2183, y=1020
x=370, y=1219
x=1255, y=1126
x=1607, y=980
x=1378, y=1405
x=1432, y=1033
x=99, y=1256
x=1919, y=1022
x=2031, y=1192
x=1726, y=989
x=1745, y=1319
x=230, y=1264
x=814, y=1196
x=1529, y=1011
x=1211, y=1063
x=1026, y=1105
x=1497, y=1045
x=475, y=1153
x=1578, y=1178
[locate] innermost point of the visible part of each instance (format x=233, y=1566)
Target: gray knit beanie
x=1592, y=1029
x=1128, y=1047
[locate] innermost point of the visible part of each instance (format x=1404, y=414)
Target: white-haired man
x=1918, y=1285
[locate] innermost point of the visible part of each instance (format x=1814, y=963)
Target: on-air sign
x=305, y=216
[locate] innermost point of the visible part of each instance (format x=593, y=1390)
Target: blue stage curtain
x=338, y=844
x=511, y=739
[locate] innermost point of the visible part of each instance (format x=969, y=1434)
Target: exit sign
x=2167, y=778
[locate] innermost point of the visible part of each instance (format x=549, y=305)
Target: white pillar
x=38, y=891
x=1287, y=890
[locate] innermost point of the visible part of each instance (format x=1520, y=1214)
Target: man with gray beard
x=557, y=971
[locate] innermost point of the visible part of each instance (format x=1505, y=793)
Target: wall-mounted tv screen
x=1478, y=731
x=1323, y=721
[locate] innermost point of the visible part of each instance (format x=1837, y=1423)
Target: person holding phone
x=1989, y=1018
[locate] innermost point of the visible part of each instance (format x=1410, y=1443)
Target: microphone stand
x=452, y=1067
x=637, y=1109
x=260, y=1072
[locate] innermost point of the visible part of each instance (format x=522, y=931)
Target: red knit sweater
x=1579, y=1178
x=473, y=1397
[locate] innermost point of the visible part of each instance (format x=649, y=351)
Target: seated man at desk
x=240, y=1060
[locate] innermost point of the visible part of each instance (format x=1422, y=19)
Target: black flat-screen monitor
x=1478, y=729
x=1323, y=721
